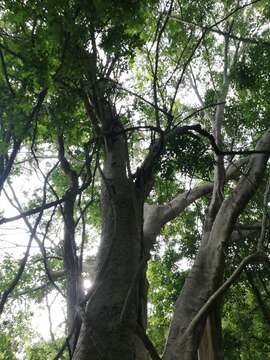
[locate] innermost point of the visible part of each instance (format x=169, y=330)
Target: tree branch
x=6, y=73
x=23, y=262
x=243, y=39
x=147, y=342
x=156, y=216
x=222, y=289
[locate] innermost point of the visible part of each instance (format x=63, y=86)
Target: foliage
x=15, y=332
x=6, y=352
x=166, y=281
x=246, y=333
x=45, y=350
x=60, y=61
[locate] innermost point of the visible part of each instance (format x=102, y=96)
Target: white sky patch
x=183, y=264
x=14, y=236
x=41, y=320
x=87, y=284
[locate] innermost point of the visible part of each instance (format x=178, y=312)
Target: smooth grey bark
x=156, y=216
x=104, y=334
x=211, y=345
x=207, y=271
x=203, y=277
x=113, y=310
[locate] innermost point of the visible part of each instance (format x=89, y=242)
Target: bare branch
x=243, y=39
x=40, y=243
x=199, y=41
x=155, y=79
x=40, y=208
x=194, y=86
x=23, y=262
x=140, y=97
x=147, y=342
x=48, y=306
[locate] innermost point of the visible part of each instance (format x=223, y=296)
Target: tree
x=62, y=66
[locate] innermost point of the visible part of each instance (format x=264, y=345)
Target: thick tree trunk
x=112, y=312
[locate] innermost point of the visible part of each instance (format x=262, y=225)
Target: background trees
x=147, y=124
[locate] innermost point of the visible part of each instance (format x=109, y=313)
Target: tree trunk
x=211, y=345
x=112, y=312
x=74, y=289
x=200, y=284
x=207, y=271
